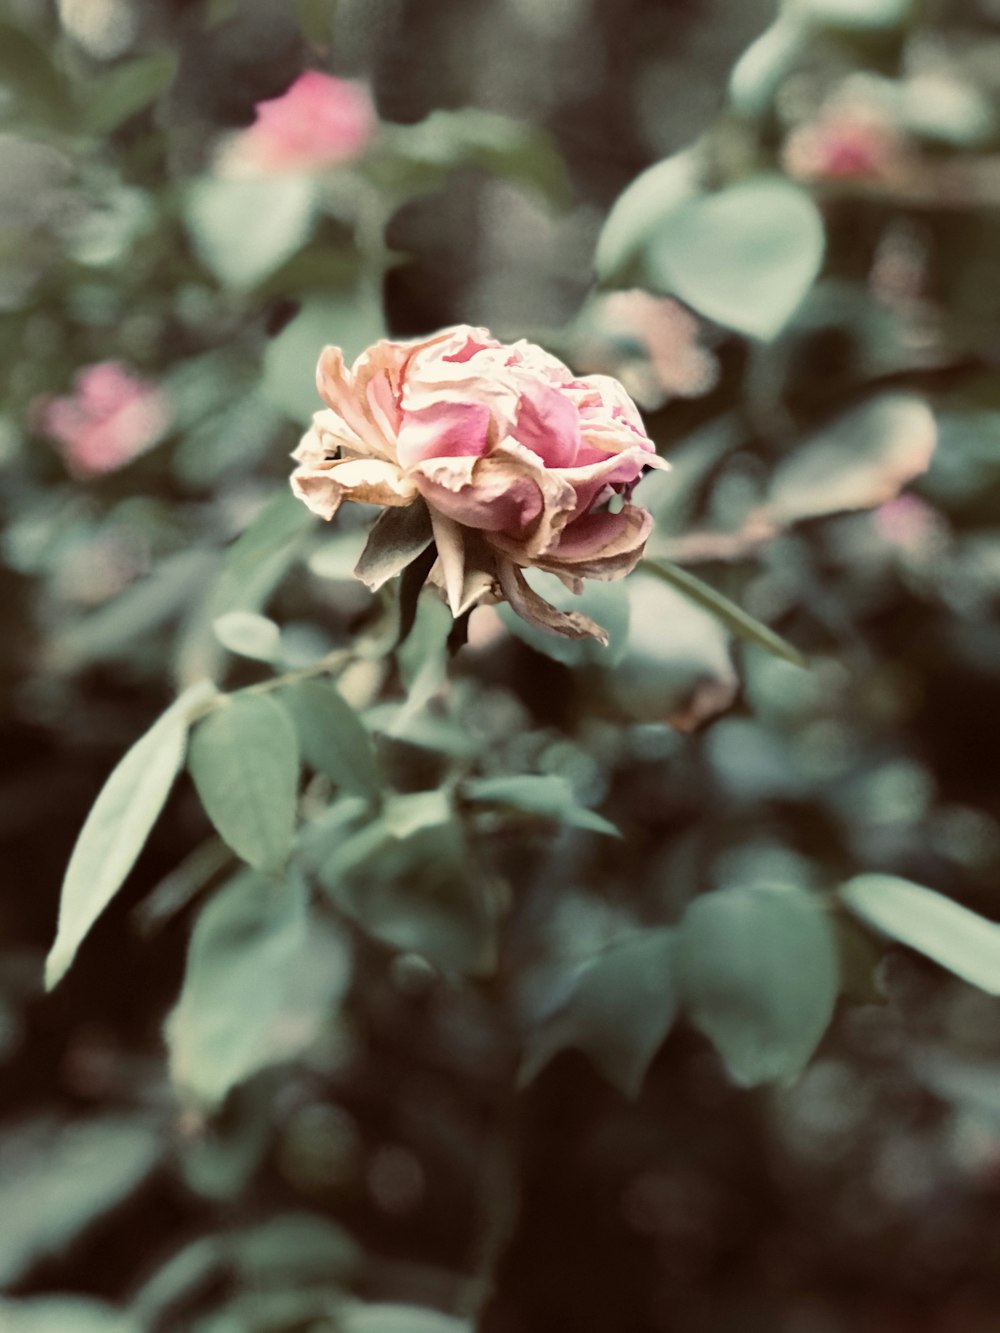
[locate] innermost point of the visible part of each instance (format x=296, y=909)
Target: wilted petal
x=366, y=480
x=601, y=546
x=536, y=611
x=490, y=494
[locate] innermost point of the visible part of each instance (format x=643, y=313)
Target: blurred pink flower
x=520, y=463
x=110, y=417
x=908, y=522
x=320, y=121
x=651, y=343
x=848, y=140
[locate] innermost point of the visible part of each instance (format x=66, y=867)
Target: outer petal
x=601, y=546
x=366, y=480
x=465, y=566
x=536, y=611
x=492, y=494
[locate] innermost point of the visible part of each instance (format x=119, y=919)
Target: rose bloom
x=110, y=417
x=318, y=122
x=520, y=463
x=849, y=140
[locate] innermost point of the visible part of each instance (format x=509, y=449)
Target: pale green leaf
x=333, y=738
x=862, y=15
x=397, y=537
x=244, y=229
x=744, y=257
x=126, y=90
x=758, y=73
x=244, y=759
x=60, y=1176
x=549, y=795
x=351, y=322
x=757, y=972
x=63, y=1314
x=934, y=925
x=246, y=949
x=249, y=635
x=399, y=1319
x=738, y=621
x=116, y=829
x=622, y=1005
x=620, y=259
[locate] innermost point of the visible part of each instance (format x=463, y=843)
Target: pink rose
x=318, y=122
x=520, y=463
x=849, y=140
x=110, y=417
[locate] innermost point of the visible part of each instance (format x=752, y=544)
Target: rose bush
x=520, y=463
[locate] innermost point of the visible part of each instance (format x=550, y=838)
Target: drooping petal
x=366, y=480
x=537, y=611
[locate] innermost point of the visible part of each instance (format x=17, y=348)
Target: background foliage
x=542, y=985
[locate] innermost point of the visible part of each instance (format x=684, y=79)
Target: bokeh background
x=167, y=276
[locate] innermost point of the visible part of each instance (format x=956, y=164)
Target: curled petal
x=601, y=546
x=548, y=424
x=537, y=611
x=497, y=493
x=465, y=567
x=367, y=480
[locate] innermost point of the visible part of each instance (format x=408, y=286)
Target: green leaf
x=935, y=926
x=126, y=90
x=261, y=555
x=398, y=1319
x=244, y=759
x=333, y=738
x=27, y=69
x=744, y=257
x=757, y=972
x=244, y=229
x=621, y=246
x=245, y=951
x=63, y=1314
x=397, y=537
x=622, y=1005
x=118, y=825
x=859, y=461
x=732, y=616
x=249, y=635
x=60, y=1176
x=763, y=66
x=547, y=794
x=351, y=322
x=853, y=14
x=315, y=19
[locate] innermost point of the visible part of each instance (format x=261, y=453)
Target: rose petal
x=446, y=430
x=366, y=480
x=548, y=424
x=490, y=494
x=601, y=546
x=536, y=611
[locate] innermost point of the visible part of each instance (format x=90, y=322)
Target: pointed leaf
x=246, y=947
x=244, y=760
x=396, y=539
x=758, y=974
x=126, y=90
x=116, y=829
x=732, y=616
x=547, y=794
x=244, y=229
x=622, y=1005
x=249, y=635
x=333, y=738
x=934, y=925
x=399, y=1319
